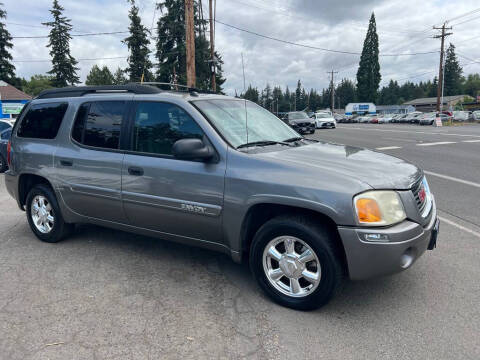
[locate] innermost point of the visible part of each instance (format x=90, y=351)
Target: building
x=395, y=109
x=430, y=104
x=360, y=109
x=12, y=100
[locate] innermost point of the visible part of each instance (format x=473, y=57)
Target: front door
x=175, y=197
x=88, y=169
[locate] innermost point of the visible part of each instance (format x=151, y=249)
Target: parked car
x=302, y=213
x=428, y=118
x=363, y=119
x=461, y=115
x=476, y=115
x=324, y=120
x=373, y=119
x=4, y=138
x=4, y=125
x=300, y=122
x=385, y=119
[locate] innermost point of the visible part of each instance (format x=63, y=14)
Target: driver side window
x=159, y=125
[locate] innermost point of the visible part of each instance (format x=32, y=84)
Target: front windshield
x=297, y=115
x=228, y=116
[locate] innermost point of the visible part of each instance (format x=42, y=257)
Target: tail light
x=9, y=150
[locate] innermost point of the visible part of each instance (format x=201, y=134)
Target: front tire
x=296, y=262
x=44, y=216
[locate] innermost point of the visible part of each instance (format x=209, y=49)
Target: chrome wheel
x=42, y=214
x=291, y=266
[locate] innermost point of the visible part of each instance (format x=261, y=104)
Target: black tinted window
x=159, y=125
x=98, y=124
x=42, y=121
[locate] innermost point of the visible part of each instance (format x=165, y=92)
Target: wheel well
x=28, y=181
x=259, y=214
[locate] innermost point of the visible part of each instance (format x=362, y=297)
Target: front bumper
x=303, y=128
x=407, y=242
x=325, y=124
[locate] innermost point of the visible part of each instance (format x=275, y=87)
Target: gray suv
x=224, y=174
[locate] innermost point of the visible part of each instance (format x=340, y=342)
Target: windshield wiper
x=294, y=139
x=263, y=143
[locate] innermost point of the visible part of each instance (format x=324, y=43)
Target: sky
x=404, y=27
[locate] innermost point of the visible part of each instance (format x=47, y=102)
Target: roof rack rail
x=176, y=87
x=77, y=91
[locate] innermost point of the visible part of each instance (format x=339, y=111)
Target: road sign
x=438, y=121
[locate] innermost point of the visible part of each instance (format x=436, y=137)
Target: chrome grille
x=416, y=190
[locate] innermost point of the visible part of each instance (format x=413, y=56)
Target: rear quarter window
x=42, y=121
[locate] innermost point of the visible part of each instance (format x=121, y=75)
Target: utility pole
x=332, y=90
x=212, y=47
x=190, y=43
x=441, y=36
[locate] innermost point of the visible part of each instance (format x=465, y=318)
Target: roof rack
x=176, y=87
x=77, y=91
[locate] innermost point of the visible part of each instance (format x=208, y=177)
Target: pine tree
x=368, y=74
x=251, y=94
x=171, y=52
x=7, y=69
x=63, y=64
x=99, y=76
x=139, y=64
x=453, y=73
x=119, y=77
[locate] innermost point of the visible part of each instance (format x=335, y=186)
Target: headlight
x=379, y=208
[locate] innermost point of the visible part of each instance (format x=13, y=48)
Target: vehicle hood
x=295, y=121
x=329, y=119
x=376, y=169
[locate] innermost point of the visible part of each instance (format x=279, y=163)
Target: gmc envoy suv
x=224, y=174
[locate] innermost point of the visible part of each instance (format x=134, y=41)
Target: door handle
x=135, y=171
x=66, y=163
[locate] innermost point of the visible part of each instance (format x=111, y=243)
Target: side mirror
x=192, y=149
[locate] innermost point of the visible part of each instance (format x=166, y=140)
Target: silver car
x=223, y=174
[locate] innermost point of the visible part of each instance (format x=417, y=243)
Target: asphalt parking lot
x=104, y=294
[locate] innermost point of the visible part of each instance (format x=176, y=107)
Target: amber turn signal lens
x=368, y=211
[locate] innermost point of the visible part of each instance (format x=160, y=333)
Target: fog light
x=377, y=237
x=407, y=258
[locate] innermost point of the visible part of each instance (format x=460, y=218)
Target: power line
x=314, y=47
x=72, y=35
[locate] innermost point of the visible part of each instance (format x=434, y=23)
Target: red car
x=374, y=119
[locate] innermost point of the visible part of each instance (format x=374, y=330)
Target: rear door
x=89, y=164
x=161, y=193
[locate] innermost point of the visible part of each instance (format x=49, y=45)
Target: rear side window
x=42, y=121
x=98, y=124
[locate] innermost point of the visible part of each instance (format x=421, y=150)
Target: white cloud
x=403, y=27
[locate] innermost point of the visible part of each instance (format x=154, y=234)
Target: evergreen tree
x=171, y=52
x=453, y=73
x=139, y=64
x=99, y=76
x=64, y=68
x=37, y=84
x=368, y=74
x=119, y=77
x=251, y=94
x=7, y=69
x=345, y=93
x=471, y=85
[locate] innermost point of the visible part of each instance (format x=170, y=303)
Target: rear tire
x=281, y=275
x=3, y=164
x=44, y=216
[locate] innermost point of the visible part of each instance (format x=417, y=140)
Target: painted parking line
x=471, y=141
x=437, y=143
x=461, y=227
x=388, y=148
x=451, y=178
x=406, y=131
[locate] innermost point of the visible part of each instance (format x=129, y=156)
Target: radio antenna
x=245, y=100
